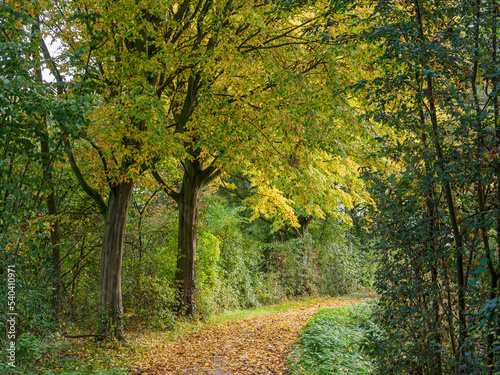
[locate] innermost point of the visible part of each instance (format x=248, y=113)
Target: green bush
x=334, y=341
x=34, y=353
x=341, y=270
x=149, y=267
x=299, y=267
x=270, y=289
x=150, y=301
x=208, y=282
x=228, y=261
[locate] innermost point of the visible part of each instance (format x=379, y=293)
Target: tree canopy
x=195, y=156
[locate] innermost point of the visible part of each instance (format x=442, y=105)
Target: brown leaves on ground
x=251, y=346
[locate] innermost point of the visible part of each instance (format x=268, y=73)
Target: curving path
x=251, y=346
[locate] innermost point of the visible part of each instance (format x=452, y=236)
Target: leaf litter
x=255, y=346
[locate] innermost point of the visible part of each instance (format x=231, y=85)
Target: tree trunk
x=435, y=335
x=447, y=192
x=110, y=288
x=195, y=177
x=187, y=237
x=304, y=222
x=55, y=231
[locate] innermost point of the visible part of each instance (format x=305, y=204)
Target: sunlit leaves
x=258, y=345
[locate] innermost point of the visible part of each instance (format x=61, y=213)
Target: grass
x=56, y=355
x=335, y=341
x=270, y=309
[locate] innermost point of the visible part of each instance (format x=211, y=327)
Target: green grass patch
x=335, y=341
x=270, y=309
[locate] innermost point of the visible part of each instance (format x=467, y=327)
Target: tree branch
x=176, y=196
x=94, y=194
x=52, y=66
x=83, y=336
x=209, y=174
x=104, y=163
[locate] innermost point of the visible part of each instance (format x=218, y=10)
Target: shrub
x=150, y=301
x=334, y=342
x=34, y=353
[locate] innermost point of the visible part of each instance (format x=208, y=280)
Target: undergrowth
x=336, y=341
x=57, y=355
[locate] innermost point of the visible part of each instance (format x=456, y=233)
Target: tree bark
x=304, y=222
x=187, y=238
x=51, y=200
x=447, y=192
x=194, y=179
x=55, y=231
x=110, y=289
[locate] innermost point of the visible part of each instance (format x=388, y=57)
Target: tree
x=29, y=152
x=116, y=127
x=250, y=88
x=216, y=86
x=437, y=67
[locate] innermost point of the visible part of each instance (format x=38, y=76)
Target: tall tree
x=216, y=86
x=435, y=91
x=107, y=79
x=251, y=87
x=28, y=153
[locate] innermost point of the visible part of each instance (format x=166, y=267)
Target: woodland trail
x=250, y=346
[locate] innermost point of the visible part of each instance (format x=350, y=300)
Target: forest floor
x=257, y=345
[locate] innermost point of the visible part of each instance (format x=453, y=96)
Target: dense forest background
x=167, y=159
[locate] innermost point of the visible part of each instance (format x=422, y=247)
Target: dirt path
x=251, y=346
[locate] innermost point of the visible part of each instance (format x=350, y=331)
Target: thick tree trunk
x=110, y=289
x=195, y=177
x=187, y=237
